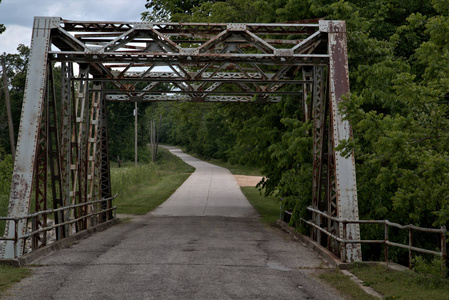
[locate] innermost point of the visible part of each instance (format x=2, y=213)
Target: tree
x=16, y=70
x=165, y=10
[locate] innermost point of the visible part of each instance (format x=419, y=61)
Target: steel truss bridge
x=62, y=162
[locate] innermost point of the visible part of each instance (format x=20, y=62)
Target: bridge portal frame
x=63, y=145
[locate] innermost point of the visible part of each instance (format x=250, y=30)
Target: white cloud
x=13, y=36
x=18, y=15
x=54, y=9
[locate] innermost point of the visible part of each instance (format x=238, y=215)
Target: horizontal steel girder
x=202, y=92
x=187, y=29
x=186, y=98
x=192, y=77
x=162, y=58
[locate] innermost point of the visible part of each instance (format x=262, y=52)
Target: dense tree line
x=398, y=107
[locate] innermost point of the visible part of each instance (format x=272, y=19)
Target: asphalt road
x=212, y=248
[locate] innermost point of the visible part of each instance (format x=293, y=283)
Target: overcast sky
x=18, y=15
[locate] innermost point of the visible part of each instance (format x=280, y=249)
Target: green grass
x=268, y=207
x=144, y=188
x=147, y=197
x=391, y=284
x=11, y=275
x=345, y=285
x=402, y=284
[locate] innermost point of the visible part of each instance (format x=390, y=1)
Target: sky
x=18, y=15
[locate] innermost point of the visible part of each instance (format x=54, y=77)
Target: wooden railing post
x=385, y=241
x=443, y=250
x=410, y=244
x=343, y=244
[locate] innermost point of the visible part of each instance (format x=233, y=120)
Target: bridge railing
x=98, y=211
x=386, y=241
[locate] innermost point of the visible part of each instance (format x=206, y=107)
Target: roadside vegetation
x=146, y=186
x=6, y=166
x=267, y=206
x=11, y=275
x=392, y=284
x=402, y=284
x=345, y=285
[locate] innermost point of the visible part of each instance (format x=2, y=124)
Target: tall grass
x=146, y=186
x=126, y=179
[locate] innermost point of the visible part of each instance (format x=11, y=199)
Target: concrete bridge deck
x=205, y=242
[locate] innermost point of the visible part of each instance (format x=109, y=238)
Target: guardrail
x=343, y=241
x=106, y=212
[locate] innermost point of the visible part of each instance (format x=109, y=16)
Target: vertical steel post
x=66, y=135
x=318, y=116
x=344, y=165
x=92, y=153
x=105, y=176
x=40, y=175
x=53, y=151
x=306, y=91
x=79, y=142
x=20, y=198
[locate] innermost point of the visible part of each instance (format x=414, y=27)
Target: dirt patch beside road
x=243, y=180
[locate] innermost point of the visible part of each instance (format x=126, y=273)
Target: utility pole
x=158, y=131
x=8, y=109
x=153, y=140
x=135, y=134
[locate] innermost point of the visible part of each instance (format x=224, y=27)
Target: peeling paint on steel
x=344, y=166
x=20, y=199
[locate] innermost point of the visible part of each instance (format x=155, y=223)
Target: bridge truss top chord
x=142, y=61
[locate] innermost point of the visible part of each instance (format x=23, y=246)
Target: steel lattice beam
x=203, y=63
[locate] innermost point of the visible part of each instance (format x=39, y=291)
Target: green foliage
x=16, y=66
x=6, y=167
x=121, y=131
x=165, y=10
x=431, y=273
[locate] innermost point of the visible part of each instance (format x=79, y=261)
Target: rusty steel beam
x=345, y=180
x=318, y=116
x=187, y=98
x=188, y=29
x=24, y=165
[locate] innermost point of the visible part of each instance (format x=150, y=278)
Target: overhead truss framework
x=62, y=141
